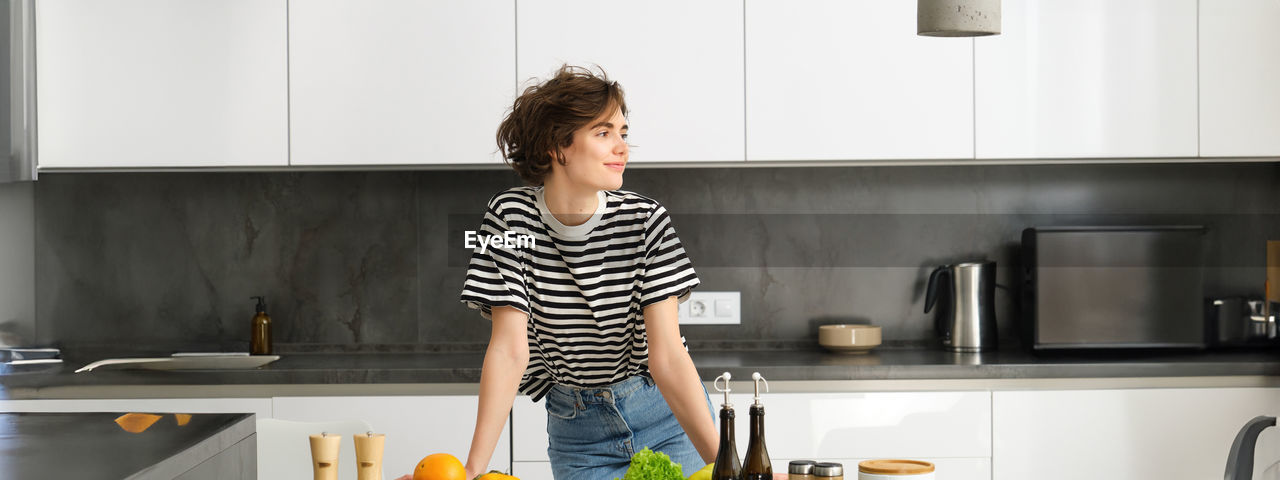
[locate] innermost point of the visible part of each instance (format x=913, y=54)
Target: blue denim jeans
x=593, y=432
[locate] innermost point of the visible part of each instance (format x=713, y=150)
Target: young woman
x=584, y=314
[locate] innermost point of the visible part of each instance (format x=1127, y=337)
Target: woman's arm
x=677, y=379
x=504, y=364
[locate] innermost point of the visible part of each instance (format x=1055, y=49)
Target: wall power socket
x=711, y=308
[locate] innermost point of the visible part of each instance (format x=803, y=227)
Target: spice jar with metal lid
x=828, y=471
x=800, y=470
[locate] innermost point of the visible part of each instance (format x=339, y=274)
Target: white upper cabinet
x=1239, y=78
x=1088, y=78
x=679, y=63
x=399, y=82
x=851, y=80
x=158, y=84
x=161, y=83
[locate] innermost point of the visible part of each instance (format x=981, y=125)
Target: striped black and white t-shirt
x=583, y=286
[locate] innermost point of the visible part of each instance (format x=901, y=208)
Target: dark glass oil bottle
x=727, y=465
x=756, y=465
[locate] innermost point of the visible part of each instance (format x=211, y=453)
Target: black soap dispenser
x=260, y=339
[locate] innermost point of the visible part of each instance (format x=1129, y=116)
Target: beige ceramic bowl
x=849, y=338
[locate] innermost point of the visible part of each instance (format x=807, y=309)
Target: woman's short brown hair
x=544, y=117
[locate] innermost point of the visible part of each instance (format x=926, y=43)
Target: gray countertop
x=776, y=365
x=92, y=445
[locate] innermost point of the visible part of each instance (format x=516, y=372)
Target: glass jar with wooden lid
x=895, y=470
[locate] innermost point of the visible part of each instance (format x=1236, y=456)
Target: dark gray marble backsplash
x=374, y=260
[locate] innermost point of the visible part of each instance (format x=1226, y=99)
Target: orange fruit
x=140, y=422
x=440, y=466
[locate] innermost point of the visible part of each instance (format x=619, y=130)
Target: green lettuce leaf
x=650, y=465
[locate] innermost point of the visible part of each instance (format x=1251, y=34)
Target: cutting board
x=185, y=361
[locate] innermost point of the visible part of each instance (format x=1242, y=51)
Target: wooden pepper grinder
x=324, y=455
x=369, y=455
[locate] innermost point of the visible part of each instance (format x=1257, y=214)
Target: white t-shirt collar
x=566, y=230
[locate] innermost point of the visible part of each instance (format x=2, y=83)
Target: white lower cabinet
x=871, y=425
x=1168, y=434
x=947, y=468
x=951, y=428
x=528, y=432
x=415, y=426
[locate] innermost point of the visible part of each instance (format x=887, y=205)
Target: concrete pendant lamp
x=957, y=18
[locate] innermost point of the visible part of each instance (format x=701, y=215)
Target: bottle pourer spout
x=756, y=378
x=726, y=376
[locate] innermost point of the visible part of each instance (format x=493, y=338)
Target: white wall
x=17, y=264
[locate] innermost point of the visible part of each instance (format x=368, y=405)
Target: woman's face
x=598, y=154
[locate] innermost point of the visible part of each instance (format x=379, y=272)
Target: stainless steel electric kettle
x=965, y=295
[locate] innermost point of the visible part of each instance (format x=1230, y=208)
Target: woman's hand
x=406, y=477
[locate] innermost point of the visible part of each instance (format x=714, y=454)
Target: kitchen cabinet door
x=399, y=82
x=1088, y=79
x=946, y=468
x=1150, y=433
x=415, y=426
x=161, y=83
x=1239, y=78
x=870, y=425
x=679, y=63
x=851, y=80
x=951, y=428
x=529, y=431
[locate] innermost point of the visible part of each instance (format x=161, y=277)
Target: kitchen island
x=94, y=445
